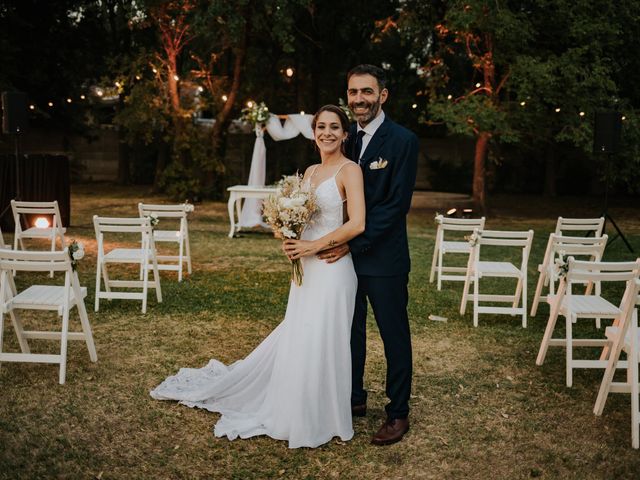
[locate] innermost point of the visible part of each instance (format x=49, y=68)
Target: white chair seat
x=166, y=236
x=36, y=232
x=502, y=268
x=456, y=247
x=591, y=305
x=122, y=255
x=44, y=296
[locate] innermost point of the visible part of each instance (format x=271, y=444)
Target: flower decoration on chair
x=560, y=267
x=76, y=253
x=153, y=220
x=438, y=218
x=474, y=238
x=188, y=207
x=288, y=212
x=257, y=114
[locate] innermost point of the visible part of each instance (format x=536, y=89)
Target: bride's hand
x=295, y=249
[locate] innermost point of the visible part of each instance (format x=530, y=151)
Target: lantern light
x=42, y=222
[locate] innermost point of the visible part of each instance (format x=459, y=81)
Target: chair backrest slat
x=595, y=225
x=34, y=261
x=580, y=271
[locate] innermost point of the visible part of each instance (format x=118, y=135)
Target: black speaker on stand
x=14, y=122
x=606, y=141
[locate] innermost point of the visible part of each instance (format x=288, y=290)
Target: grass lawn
x=481, y=408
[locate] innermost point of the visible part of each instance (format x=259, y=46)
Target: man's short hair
x=366, y=69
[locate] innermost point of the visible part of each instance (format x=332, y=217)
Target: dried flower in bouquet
x=288, y=212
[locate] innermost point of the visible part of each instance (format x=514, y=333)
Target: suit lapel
x=376, y=142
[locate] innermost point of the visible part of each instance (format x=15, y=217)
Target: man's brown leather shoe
x=359, y=410
x=391, y=431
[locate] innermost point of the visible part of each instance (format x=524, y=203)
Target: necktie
x=357, y=149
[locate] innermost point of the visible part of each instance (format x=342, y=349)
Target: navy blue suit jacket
x=383, y=248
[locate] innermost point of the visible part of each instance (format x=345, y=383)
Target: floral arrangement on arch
x=288, y=212
x=256, y=114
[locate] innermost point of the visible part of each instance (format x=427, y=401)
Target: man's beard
x=373, y=109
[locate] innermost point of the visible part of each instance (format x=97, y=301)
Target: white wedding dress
x=296, y=385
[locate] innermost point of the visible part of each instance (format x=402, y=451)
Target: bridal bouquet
x=288, y=212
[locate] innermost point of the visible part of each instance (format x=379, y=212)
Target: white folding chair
x=624, y=336
x=25, y=212
x=455, y=227
x=584, y=225
x=180, y=235
x=60, y=299
x=2, y=244
x=574, y=307
x=144, y=255
x=560, y=248
x=477, y=269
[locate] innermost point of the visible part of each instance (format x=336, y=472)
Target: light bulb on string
x=224, y=98
x=558, y=110
x=249, y=104
x=414, y=106
x=69, y=100
x=82, y=97
x=624, y=117
x=478, y=85
x=176, y=78
x=581, y=114
x=50, y=104
x=523, y=103
x=32, y=107
x=449, y=97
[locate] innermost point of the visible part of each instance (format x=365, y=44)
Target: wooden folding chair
x=24, y=213
x=574, y=307
x=584, y=225
x=478, y=269
x=180, y=235
x=624, y=336
x=456, y=227
x=560, y=248
x=60, y=299
x=144, y=255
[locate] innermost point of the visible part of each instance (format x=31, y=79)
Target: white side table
x=236, y=194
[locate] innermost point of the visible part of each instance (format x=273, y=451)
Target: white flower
x=189, y=208
x=287, y=232
x=79, y=253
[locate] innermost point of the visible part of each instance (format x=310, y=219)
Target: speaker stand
x=605, y=213
x=18, y=196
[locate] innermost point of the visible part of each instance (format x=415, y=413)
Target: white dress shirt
x=369, y=130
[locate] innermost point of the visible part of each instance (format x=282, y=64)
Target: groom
x=388, y=155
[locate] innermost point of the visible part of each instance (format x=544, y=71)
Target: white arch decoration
x=294, y=125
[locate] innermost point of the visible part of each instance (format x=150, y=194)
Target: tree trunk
x=124, y=171
x=162, y=160
x=480, y=155
x=550, y=189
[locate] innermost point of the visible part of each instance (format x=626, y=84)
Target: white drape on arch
x=294, y=125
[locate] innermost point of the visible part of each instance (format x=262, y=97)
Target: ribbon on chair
x=294, y=125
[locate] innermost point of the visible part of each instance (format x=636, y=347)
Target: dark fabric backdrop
x=43, y=178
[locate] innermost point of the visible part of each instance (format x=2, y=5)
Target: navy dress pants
x=388, y=297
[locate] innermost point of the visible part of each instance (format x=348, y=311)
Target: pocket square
x=378, y=164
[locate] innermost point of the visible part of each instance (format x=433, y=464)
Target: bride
x=296, y=385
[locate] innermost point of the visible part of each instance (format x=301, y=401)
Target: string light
x=249, y=104
x=176, y=78
x=138, y=77
x=82, y=97
x=558, y=110
x=69, y=100
x=32, y=107
x=301, y=112
x=623, y=118
x=523, y=103
x=154, y=70
x=478, y=85
x=118, y=84
x=449, y=97
x=99, y=92
x=224, y=98
x=289, y=72
x=200, y=89
x=414, y=106
x=581, y=114
x=50, y=104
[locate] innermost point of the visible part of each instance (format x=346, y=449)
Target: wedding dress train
x=296, y=385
